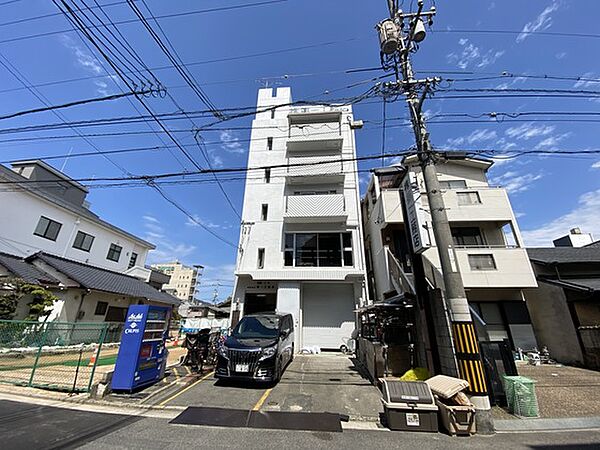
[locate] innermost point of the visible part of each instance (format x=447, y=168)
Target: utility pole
x=397, y=42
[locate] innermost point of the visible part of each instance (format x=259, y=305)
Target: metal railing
x=398, y=278
x=64, y=356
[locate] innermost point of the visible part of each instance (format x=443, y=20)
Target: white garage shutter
x=327, y=315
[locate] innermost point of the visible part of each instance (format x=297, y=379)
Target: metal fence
x=64, y=356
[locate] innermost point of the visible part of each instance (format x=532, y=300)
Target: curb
x=531, y=425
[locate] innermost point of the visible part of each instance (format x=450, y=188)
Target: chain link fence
x=64, y=356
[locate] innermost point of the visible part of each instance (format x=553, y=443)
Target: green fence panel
x=65, y=356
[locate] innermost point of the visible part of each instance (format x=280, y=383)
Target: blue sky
x=549, y=194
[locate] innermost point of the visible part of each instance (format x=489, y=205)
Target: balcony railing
x=315, y=165
x=315, y=208
x=315, y=137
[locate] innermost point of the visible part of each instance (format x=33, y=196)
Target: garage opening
x=328, y=317
x=259, y=303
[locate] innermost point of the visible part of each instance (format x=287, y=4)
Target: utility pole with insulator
x=399, y=36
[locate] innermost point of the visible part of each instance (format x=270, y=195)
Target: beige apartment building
x=183, y=279
x=488, y=248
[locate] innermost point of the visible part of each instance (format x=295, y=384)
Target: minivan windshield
x=265, y=327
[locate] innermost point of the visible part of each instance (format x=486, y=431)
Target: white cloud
x=471, y=55
x=551, y=141
x=166, y=250
x=541, y=22
x=511, y=83
x=596, y=165
x=584, y=215
x=529, y=130
x=479, y=135
x=519, y=214
x=197, y=220
x=515, y=182
x=585, y=81
x=231, y=143
x=560, y=55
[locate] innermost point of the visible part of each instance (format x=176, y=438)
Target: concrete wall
x=21, y=213
x=552, y=323
x=288, y=301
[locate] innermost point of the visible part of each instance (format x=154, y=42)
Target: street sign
x=415, y=220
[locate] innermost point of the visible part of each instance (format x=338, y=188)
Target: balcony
x=317, y=208
x=315, y=137
x=315, y=169
x=511, y=267
x=477, y=204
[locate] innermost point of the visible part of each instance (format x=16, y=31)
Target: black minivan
x=259, y=348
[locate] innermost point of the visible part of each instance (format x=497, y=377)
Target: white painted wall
x=20, y=214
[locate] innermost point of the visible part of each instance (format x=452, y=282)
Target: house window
x=261, y=258
x=267, y=175
x=114, y=252
x=468, y=198
x=482, y=262
x=47, y=228
x=101, y=308
x=264, y=212
x=269, y=143
x=318, y=250
x=288, y=251
x=83, y=241
x=467, y=236
x=132, y=260
x=453, y=184
x=272, y=113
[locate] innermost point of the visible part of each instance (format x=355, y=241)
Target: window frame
x=291, y=252
x=112, y=250
x=447, y=184
x=270, y=143
x=260, y=263
x=101, y=308
x=480, y=267
x=461, y=195
x=82, y=246
x=459, y=239
x=264, y=212
x=267, y=175
x=45, y=234
x=131, y=258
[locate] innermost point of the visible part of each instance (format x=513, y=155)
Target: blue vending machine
x=142, y=355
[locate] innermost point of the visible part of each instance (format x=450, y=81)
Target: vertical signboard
x=415, y=220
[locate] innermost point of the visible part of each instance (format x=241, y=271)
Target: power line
x=164, y=16
x=76, y=103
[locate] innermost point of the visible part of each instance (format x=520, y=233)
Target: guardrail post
x=39, y=352
x=102, y=338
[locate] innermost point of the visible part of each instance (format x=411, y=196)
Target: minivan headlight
x=268, y=352
x=222, y=351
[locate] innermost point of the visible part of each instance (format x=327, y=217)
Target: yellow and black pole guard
x=468, y=357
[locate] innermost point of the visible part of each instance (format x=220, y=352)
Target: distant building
x=85, y=293
x=183, y=281
x=45, y=210
x=575, y=238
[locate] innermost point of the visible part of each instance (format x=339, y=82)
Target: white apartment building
x=489, y=250
x=301, y=246
x=183, y=282
x=42, y=209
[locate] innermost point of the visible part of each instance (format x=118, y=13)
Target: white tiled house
x=301, y=248
x=490, y=254
x=45, y=210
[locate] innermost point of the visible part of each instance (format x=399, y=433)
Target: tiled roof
x=593, y=245
x=561, y=255
x=580, y=284
x=28, y=272
x=98, y=279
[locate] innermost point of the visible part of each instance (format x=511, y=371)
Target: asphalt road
x=32, y=427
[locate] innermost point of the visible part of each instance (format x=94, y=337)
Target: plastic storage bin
x=457, y=420
x=409, y=406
